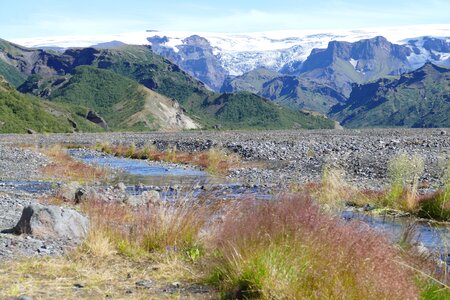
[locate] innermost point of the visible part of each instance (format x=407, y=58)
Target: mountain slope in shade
x=417, y=99
x=289, y=91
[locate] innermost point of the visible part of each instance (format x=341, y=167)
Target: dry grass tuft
x=65, y=167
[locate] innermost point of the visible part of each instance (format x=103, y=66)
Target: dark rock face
x=435, y=44
x=196, y=57
x=95, y=118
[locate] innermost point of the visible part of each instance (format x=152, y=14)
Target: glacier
x=242, y=52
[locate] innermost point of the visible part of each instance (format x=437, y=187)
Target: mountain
x=246, y=111
x=238, y=53
x=195, y=56
x=21, y=113
x=117, y=104
x=289, y=91
x=417, y=99
x=342, y=63
x=122, y=103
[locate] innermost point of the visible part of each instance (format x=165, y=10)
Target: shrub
x=437, y=205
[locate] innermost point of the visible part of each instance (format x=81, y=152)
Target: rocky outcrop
x=195, y=56
x=342, y=63
x=93, y=117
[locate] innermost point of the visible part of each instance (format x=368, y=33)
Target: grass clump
x=333, y=191
x=437, y=205
x=404, y=174
x=270, y=251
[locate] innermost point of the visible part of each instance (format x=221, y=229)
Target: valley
x=280, y=164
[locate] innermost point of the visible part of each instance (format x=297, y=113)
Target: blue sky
x=30, y=18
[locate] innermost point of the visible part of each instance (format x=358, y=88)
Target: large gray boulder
x=52, y=222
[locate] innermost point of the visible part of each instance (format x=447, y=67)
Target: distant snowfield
x=255, y=41
x=241, y=52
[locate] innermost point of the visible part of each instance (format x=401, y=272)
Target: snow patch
x=353, y=62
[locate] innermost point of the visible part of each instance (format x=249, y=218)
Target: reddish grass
x=343, y=258
x=65, y=167
x=150, y=228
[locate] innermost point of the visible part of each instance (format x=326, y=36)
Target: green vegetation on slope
x=246, y=110
x=94, y=78
x=19, y=112
x=417, y=99
x=11, y=74
x=112, y=96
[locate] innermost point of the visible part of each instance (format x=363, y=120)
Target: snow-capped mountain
x=243, y=52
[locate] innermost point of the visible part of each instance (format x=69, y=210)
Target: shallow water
x=432, y=236
x=28, y=186
x=135, y=171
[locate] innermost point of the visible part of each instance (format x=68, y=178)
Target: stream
x=141, y=175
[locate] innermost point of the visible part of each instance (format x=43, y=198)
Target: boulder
x=42, y=221
x=68, y=191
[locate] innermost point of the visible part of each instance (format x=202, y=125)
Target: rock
x=151, y=197
x=80, y=195
x=144, y=284
x=69, y=190
x=30, y=131
x=120, y=187
x=97, y=119
x=51, y=221
x=24, y=297
x=145, y=198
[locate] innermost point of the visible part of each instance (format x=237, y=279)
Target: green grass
x=417, y=99
x=102, y=91
x=11, y=74
x=20, y=112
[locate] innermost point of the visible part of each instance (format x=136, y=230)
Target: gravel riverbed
x=283, y=157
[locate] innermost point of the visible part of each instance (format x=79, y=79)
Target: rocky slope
x=417, y=99
x=343, y=63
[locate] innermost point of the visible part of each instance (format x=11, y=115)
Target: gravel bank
x=291, y=156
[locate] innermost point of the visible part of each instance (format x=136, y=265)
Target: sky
x=43, y=18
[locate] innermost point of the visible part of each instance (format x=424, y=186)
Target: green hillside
x=417, y=99
x=20, y=113
x=246, y=110
x=106, y=81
